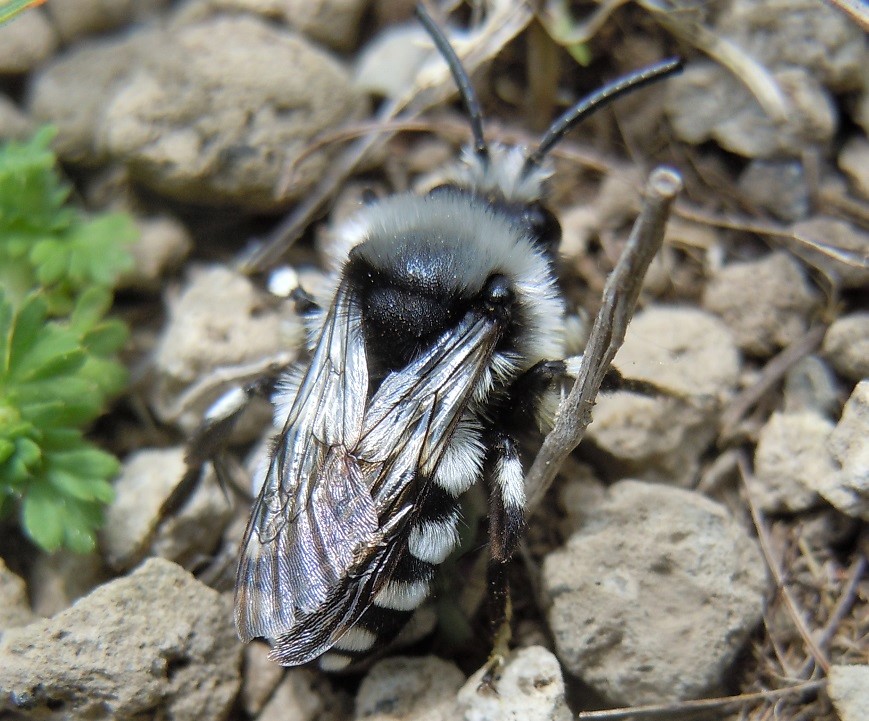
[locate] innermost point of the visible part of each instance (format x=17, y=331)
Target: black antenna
x=469, y=97
x=597, y=100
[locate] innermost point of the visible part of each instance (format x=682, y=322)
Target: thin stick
x=703, y=704
x=619, y=300
x=794, y=612
x=772, y=373
x=843, y=605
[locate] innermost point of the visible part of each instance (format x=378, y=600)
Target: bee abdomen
x=433, y=535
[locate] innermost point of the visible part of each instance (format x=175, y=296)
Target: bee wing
x=314, y=512
x=343, y=480
x=405, y=432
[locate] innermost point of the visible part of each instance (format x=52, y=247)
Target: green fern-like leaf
x=58, y=367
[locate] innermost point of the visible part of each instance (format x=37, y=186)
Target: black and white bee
x=441, y=340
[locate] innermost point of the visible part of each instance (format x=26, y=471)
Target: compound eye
x=543, y=226
x=497, y=292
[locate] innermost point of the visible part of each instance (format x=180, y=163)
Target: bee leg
x=312, y=314
x=506, y=521
x=533, y=384
x=209, y=440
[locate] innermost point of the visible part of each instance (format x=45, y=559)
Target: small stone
x=73, y=90
x=334, y=23
x=848, y=490
x=846, y=346
x=849, y=691
x=791, y=453
x=191, y=533
x=777, y=186
x=162, y=246
x=261, y=677
x=652, y=600
x=708, y=102
x=836, y=247
x=26, y=42
x=14, y=124
x=75, y=18
x=305, y=696
x=529, y=687
x=782, y=302
x=690, y=356
x=59, y=579
x=14, y=607
x=219, y=321
x=854, y=162
x=213, y=116
x=156, y=644
x=811, y=385
x=389, y=63
x=147, y=480
x=815, y=36
x=409, y=689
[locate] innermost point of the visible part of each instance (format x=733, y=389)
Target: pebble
x=846, y=345
x=791, y=453
x=216, y=116
x=691, y=357
x=652, y=599
x=157, y=643
x=529, y=687
x=409, y=689
x=782, y=302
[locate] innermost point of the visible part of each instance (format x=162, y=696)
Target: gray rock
x=59, y=579
x=219, y=321
x=778, y=187
x=261, y=677
x=815, y=36
x=691, y=357
x=332, y=22
x=809, y=49
x=854, y=162
x=708, y=103
x=305, y=696
x=811, y=385
x=14, y=123
x=529, y=687
x=14, y=607
x=156, y=644
x=136, y=525
x=147, y=480
x=791, y=454
x=846, y=346
x=75, y=18
x=389, y=63
x=216, y=115
x=849, y=691
x=411, y=689
x=26, y=42
x=782, y=302
x=73, y=90
x=162, y=246
x=848, y=489
x=654, y=597
x=836, y=247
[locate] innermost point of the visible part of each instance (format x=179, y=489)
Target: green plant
x=57, y=364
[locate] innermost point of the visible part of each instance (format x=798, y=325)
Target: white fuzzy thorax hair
x=500, y=173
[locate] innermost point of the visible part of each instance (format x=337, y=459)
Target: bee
x=442, y=338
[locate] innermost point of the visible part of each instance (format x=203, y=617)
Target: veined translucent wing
x=345, y=478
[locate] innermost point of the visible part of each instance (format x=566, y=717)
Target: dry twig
x=772, y=373
x=704, y=704
x=818, y=656
x=607, y=334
